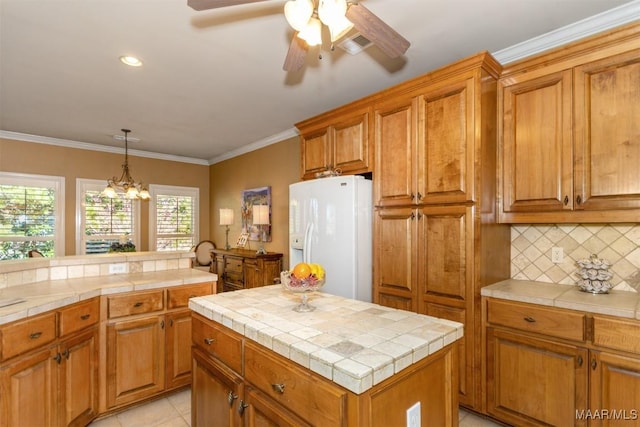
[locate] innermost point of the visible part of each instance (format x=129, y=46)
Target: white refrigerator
x=330, y=223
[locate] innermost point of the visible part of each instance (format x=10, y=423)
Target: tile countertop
x=615, y=303
x=353, y=343
x=48, y=295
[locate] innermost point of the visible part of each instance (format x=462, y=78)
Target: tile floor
x=175, y=411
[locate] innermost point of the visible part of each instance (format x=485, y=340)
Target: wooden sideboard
x=244, y=268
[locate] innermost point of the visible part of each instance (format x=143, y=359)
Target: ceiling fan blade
x=215, y=4
x=296, y=54
x=373, y=28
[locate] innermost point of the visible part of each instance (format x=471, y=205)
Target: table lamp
x=226, y=219
x=260, y=218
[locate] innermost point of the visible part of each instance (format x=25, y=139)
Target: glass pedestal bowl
x=303, y=287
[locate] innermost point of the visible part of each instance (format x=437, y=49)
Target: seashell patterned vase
x=593, y=275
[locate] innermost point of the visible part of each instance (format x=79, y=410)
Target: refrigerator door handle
x=306, y=252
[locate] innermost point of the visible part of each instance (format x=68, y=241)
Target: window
x=173, y=222
x=104, y=221
x=31, y=215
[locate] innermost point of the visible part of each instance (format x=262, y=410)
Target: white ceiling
x=212, y=84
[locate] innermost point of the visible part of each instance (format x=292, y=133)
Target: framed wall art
x=251, y=197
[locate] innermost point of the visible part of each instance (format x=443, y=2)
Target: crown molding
x=289, y=133
x=607, y=20
x=96, y=147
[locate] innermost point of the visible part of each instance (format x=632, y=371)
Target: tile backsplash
x=619, y=244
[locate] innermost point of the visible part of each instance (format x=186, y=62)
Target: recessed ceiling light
x=131, y=60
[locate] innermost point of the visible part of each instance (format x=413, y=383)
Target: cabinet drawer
x=233, y=265
x=179, y=296
x=137, y=303
x=526, y=317
x=294, y=388
x=24, y=335
x=218, y=341
x=618, y=334
x=79, y=316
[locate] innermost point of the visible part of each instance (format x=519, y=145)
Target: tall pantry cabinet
x=436, y=241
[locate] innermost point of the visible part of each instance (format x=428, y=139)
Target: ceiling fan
x=306, y=17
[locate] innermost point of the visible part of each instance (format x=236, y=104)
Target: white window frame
x=83, y=185
x=172, y=190
x=48, y=181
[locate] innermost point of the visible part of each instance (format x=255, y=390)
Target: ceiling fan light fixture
x=312, y=33
x=298, y=13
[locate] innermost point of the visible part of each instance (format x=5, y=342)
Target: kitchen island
x=347, y=363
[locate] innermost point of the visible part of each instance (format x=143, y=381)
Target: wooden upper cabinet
x=396, y=155
x=338, y=140
x=607, y=133
x=569, y=133
x=536, y=143
x=446, y=142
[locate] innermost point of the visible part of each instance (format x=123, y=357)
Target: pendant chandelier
x=304, y=17
x=126, y=184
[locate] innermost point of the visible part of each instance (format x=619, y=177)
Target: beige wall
x=72, y=163
x=276, y=165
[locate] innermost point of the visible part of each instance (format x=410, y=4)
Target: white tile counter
x=355, y=344
x=43, y=296
x=615, y=303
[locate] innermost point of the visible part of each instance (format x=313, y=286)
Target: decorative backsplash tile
x=617, y=243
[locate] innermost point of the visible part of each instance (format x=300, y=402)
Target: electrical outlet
x=118, y=268
x=413, y=415
x=557, y=255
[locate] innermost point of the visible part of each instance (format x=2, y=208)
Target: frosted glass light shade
x=260, y=214
x=298, y=13
x=312, y=33
x=226, y=216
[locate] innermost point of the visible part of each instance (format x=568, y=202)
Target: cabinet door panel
x=79, y=379
x=446, y=241
x=394, y=249
x=216, y=394
x=445, y=172
x=316, y=153
x=533, y=381
x=395, y=154
x=351, y=144
x=27, y=390
x=615, y=385
x=135, y=360
x=537, y=153
x=608, y=133
x=178, y=345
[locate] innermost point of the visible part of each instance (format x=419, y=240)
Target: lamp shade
x=226, y=216
x=260, y=214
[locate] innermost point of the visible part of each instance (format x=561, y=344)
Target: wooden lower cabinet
x=135, y=359
x=552, y=366
x=535, y=382
x=28, y=390
x=52, y=382
x=266, y=389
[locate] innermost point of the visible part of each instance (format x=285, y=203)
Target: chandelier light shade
x=307, y=20
x=126, y=184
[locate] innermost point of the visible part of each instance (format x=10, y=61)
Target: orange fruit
x=301, y=270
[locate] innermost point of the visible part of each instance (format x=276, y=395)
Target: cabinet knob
x=594, y=363
x=579, y=200
x=580, y=361
x=85, y=316
x=66, y=353
x=57, y=358
x=231, y=397
x=209, y=341
x=138, y=304
x=413, y=196
x=419, y=195
x=241, y=407
x=35, y=335
x=566, y=200
x=530, y=319
x=279, y=388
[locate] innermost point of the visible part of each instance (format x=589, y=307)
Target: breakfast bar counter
x=375, y=362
